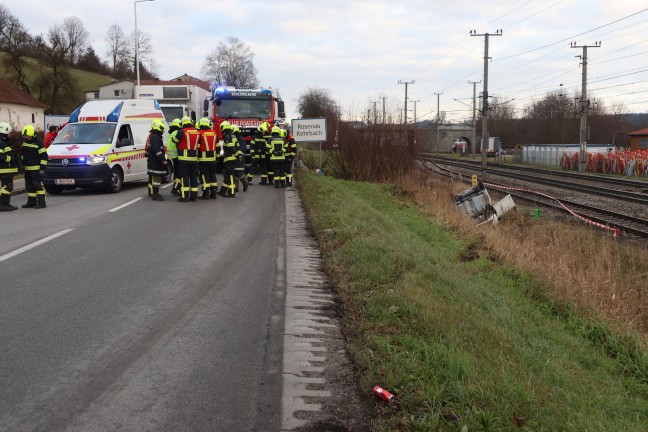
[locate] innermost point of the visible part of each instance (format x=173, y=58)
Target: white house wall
x=20, y=116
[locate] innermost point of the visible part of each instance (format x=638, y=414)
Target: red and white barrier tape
x=573, y=213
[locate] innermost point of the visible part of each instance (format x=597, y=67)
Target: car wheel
x=116, y=180
x=54, y=190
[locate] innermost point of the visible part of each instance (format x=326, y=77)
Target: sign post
x=310, y=130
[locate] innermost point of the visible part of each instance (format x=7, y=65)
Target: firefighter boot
x=193, y=195
x=6, y=208
x=283, y=183
x=246, y=183
x=213, y=193
x=264, y=180
x=31, y=202
x=175, y=190
x=156, y=194
x=40, y=202
x=205, y=194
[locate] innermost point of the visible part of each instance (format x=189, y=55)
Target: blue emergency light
x=114, y=115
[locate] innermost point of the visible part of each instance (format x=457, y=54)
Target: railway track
x=615, y=221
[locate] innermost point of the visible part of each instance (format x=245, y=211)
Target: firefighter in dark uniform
x=291, y=152
x=258, y=152
x=267, y=136
x=172, y=154
x=156, y=162
x=188, y=160
x=207, y=151
x=277, y=157
x=229, y=161
x=239, y=168
x=34, y=159
x=8, y=167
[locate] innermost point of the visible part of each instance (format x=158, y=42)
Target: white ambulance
x=102, y=145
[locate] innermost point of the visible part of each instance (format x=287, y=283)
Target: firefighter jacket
x=241, y=148
x=291, y=147
x=208, y=146
x=188, y=145
x=277, y=148
x=156, y=158
x=172, y=144
x=258, y=148
x=229, y=148
x=8, y=162
x=34, y=155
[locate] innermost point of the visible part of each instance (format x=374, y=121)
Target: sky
x=358, y=51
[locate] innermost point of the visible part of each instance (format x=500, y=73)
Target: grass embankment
x=463, y=339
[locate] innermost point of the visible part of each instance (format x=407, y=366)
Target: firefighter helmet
x=204, y=122
x=276, y=130
x=158, y=125
x=28, y=131
x=175, y=123
x=225, y=126
x=186, y=121
x=5, y=128
x=235, y=128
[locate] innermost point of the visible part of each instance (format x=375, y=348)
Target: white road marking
x=124, y=205
x=33, y=245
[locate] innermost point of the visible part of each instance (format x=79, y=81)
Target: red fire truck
x=247, y=108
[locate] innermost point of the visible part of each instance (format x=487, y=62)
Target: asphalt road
x=156, y=316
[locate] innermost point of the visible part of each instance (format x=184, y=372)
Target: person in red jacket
x=49, y=136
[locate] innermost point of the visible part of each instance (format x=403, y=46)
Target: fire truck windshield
x=244, y=108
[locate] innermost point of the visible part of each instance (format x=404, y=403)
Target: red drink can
x=383, y=394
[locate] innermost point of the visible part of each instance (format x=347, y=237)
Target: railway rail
x=620, y=224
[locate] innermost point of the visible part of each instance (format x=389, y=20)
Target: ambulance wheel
x=54, y=190
x=116, y=180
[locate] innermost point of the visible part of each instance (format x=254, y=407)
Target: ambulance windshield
x=86, y=133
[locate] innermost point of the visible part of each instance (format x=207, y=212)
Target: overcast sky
x=359, y=50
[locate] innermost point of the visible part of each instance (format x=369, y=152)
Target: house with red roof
x=639, y=139
x=18, y=108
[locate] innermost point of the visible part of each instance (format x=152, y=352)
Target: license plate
x=64, y=181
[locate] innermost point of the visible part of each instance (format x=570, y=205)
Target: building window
x=643, y=143
x=116, y=93
x=33, y=118
x=96, y=95
x=175, y=92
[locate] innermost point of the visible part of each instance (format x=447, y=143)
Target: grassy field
x=465, y=340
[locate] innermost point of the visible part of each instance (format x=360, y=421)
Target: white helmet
x=5, y=128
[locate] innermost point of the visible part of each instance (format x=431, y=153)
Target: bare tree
x=147, y=63
x=55, y=84
x=15, y=40
x=315, y=102
x=76, y=38
x=117, y=50
x=231, y=63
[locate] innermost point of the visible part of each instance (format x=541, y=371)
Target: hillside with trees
x=58, y=67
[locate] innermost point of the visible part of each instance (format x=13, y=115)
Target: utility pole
x=582, y=161
x=375, y=112
x=438, y=144
x=474, y=121
x=383, y=98
x=405, y=116
x=485, y=93
x=415, y=126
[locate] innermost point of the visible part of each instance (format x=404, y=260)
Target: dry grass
x=580, y=266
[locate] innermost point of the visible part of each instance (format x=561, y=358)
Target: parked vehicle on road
x=102, y=145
